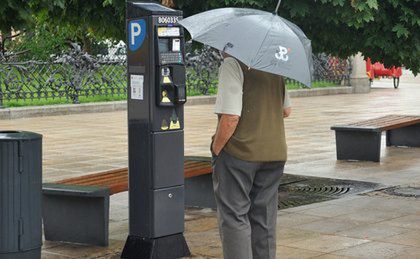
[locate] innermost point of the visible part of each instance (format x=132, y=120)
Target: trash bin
x=20, y=195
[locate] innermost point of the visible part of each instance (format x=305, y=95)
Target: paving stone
x=83, y=251
x=373, y=232
x=327, y=243
x=328, y=211
x=329, y=225
x=295, y=253
x=291, y=235
x=295, y=219
x=375, y=250
x=411, y=238
x=410, y=222
x=201, y=225
x=79, y=144
x=372, y=215
x=331, y=256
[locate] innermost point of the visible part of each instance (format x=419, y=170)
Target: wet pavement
x=379, y=225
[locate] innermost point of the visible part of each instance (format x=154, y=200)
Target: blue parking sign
x=136, y=34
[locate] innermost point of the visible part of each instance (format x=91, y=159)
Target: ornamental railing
x=77, y=75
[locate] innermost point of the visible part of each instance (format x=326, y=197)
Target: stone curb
x=51, y=110
x=321, y=91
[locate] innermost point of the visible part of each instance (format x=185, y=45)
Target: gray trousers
x=247, y=198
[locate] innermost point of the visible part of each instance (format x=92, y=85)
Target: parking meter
x=156, y=95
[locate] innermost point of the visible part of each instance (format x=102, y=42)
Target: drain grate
x=297, y=190
x=398, y=191
x=328, y=190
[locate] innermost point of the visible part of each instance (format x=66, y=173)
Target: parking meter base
x=169, y=247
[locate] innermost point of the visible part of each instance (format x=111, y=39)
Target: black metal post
x=1, y=89
x=1, y=98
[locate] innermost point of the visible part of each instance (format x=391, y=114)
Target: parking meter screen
x=163, y=45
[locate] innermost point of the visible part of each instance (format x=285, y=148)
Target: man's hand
x=225, y=129
x=287, y=111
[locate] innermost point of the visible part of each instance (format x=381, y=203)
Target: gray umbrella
x=261, y=40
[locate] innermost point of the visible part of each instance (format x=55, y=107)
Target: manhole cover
x=397, y=191
x=408, y=191
x=297, y=190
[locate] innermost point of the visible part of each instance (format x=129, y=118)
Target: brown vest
x=260, y=136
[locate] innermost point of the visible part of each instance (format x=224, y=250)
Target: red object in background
x=378, y=70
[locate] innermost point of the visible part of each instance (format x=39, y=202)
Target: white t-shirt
x=230, y=89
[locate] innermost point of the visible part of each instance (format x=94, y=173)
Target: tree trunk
x=168, y=3
x=87, y=44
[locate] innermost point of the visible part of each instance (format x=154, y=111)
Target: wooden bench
x=362, y=140
x=77, y=209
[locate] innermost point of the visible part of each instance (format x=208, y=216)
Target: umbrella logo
x=281, y=54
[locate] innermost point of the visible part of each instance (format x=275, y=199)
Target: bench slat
x=384, y=123
x=196, y=166
x=377, y=121
x=93, y=176
x=117, y=180
x=104, y=181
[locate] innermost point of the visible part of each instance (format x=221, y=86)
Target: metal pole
x=277, y=8
x=1, y=93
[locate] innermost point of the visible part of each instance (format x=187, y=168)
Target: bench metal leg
x=358, y=145
x=408, y=136
x=76, y=219
x=199, y=192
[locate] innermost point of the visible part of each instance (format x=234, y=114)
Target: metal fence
x=203, y=66
x=76, y=74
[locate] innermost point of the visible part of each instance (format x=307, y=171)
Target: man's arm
x=228, y=102
x=287, y=106
x=225, y=129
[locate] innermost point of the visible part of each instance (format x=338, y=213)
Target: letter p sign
x=136, y=34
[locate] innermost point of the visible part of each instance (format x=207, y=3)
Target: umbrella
x=261, y=40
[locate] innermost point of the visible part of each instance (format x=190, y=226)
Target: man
x=249, y=153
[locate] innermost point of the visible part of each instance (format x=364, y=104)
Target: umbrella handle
x=228, y=45
x=277, y=7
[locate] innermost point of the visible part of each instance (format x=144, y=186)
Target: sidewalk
x=357, y=226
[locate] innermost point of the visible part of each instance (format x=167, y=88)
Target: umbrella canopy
x=261, y=40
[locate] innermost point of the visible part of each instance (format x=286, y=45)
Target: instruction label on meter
x=136, y=85
x=168, y=32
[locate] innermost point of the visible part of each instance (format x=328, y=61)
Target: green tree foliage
x=87, y=20
x=40, y=41
x=13, y=14
x=51, y=24
x=387, y=30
